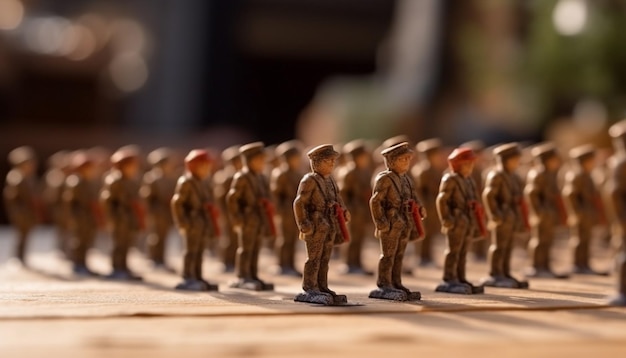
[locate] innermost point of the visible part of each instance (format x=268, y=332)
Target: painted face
x=589, y=164
x=28, y=167
x=512, y=163
x=466, y=168
x=402, y=163
x=325, y=166
x=553, y=163
x=257, y=163
x=201, y=170
x=88, y=171
x=362, y=160
x=294, y=161
x=130, y=169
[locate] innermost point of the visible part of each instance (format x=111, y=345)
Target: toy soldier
x=284, y=185
x=618, y=196
x=80, y=199
x=427, y=173
x=478, y=247
x=191, y=211
x=546, y=208
x=156, y=191
x=251, y=212
x=397, y=215
x=222, y=181
x=503, y=199
x=21, y=197
x=584, y=204
x=120, y=198
x=462, y=218
x=321, y=217
x=356, y=189
x=54, y=180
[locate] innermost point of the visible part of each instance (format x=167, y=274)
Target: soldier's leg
x=480, y=249
x=119, y=253
x=254, y=260
x=396, y=270
x=231, y=245
x=389, y=242
x=581, y=239
x=462, y=263
x=156, y=241
x=199, y=254
x=355, y=246
x=541, y=243
x=20, y=244
x=499, y=250
x=322, y=274
x=454, y=240
x=248, y=239
x=288, y=244
x=314, y=245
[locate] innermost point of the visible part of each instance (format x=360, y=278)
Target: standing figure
x=251, y=212
x=121, y=201
x=396, y=212
x=191, y=205
x=503, y=198
x=356, y=189
x=321, y=217
x=584, y=204
x=427, y=174
x=222, y=181
x=284, y=185
x=478, y=247
x=21, y=197
x=156, y=192
x=547, y=209
x=54, y=185
x=460, y=211
x=80, y=200
x=617, y=184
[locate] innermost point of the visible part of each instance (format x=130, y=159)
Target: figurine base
x=395, y=294
x=316, y=297
x=252, y=285
x=544, y=273
x=355, y=270
x=196, y=285
x=504, y=282
x=619, y=300
x=123, y=275
x=454, y=287
x=584, y=270
x=83, y=271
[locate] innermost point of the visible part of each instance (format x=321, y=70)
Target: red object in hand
x=214, y=214
x=524, y=208
x=268, y=209
x=341, y=219
x=414, y=209
x=479, y=214
x=140, y=214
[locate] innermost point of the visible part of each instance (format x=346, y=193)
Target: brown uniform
x=222, y=181
x=22, y=206
x=427, y=180
x=617, y=185
x=284, y=187
x=53, y=196
x=80, y=199
x=157, y=190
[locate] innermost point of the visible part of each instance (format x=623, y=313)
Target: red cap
x=198, y=155
x=461, y=155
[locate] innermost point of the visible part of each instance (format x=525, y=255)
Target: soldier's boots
x=83, y=270
x=194, y=284
x=586, y=270
x=544, y=272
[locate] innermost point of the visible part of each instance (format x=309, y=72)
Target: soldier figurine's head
x=323, y=158
x=291, y=154
x=398, y=157
x=24, y=159
x=232, y=156
x=618, y=133
x=162, y=158
x=254, y=156
x=359, y=152
x=430, y=151
x=199, y=163
x=126, y=160
x=83, y=165
x=461, y=161
x=508, y=156
x=545, y=154
x=478, y=146
x=584, y=156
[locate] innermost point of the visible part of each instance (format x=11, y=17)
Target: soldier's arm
x=446, y=189
x=303, y=197
x=532, y=191
x=232, y=199
x=181, y=196
x=379, y=193
x=491, y=192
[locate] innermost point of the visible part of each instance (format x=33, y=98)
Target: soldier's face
x=553, y=163
x=325, y=166
x=257, y=163
x=130, y=169
x=201, y=170
x=88, y=171
x=362, y=160
x=294, y=161
x=589, y=164
x=466, y=168
x=28, y=167
x=402, y=163
x=511, y=164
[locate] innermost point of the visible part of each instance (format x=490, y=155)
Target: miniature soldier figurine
x=156, y=191
x=503, y=203
x=251, y=212
x=461, y=216
x=396, y=212
x=617, y=186
x=85, y=214
x=54, y=180
x=584, y=204
x=546, y=208
x=121, y=201
x=321, y=217
x=427, y=173
x=21, y=198
x=193, y=218
x=478, y=247
x=222, y=181
x=284, y=185
x=356, y=189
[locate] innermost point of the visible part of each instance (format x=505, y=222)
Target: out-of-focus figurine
x=427, y=173
x=85, y=215
x=21, y=197
x=191, y=208
x=222, y=180
x=54, y=185
x=547, y=209
x=156, y=191
x=478, y=247
x=251, y=212
x=123, y=207
x=321, y=216
x=355, y=187
x=617, y=184
x=503, y=197
x=397, y=215
x=284, y=185
x=584, y=204
x=462, y=218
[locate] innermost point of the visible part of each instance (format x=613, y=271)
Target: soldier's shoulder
x=14, y=178
x=383, y=177
x=449, y=178
x=112, y=178
x=495, y=175
x=72, y=181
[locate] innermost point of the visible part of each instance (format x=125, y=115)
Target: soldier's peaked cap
x=476, y=145
x=230, y=153
x=508, y=150
x=618, y=129
x=544, y=151
x=582, y=152
x=428, y=145
x=322, y=152
x=20, y=155
x=251, y=150
x=159, y=155
x=395, y=140
x=197, y=155
x=396, y=150
x=356, y=147
x=461, y=154
x=288, y=148
x=125, y=153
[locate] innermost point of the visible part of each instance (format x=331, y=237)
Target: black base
x=123, y=275
x=196, y=285
x=252, y=285
x=585, y=270
x=504, y=282
x=395, y=294
x=545, y=273
x=618, y=300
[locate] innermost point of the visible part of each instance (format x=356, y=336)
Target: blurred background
x=198, y=73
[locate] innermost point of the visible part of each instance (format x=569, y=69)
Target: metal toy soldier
x=21, y=197
x=284, y=185
x=222, y=181
x=503, y=198
x=584, y=204
x=125, y=213
x=427, y=174
x=156, y=191
x=397, y=215
x=547, y=209
x=80, y=199
x=356, y=189
x=190, y=207
x=478, y=247
x=321, y=216
x=617, y=186
x=54, y=180
x=251, y=212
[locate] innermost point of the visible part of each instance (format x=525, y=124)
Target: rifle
x=214, y=215
x=341, y=219
x=479, y=214
x=524, y=209
x=268, y=210
x=561, y=209
x=414, y=210
x=140, y=214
